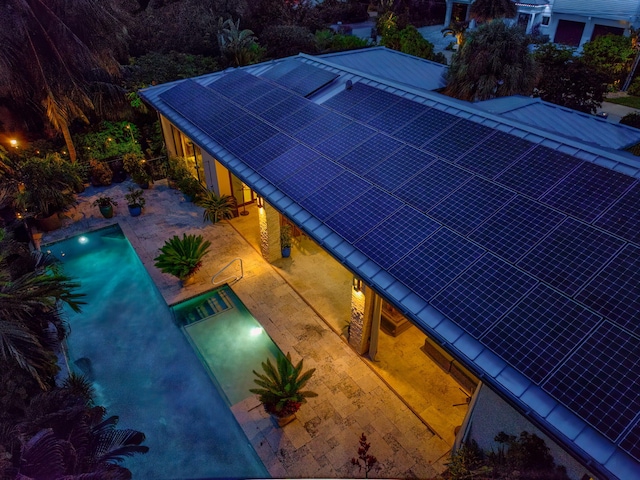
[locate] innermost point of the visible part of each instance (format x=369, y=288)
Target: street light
x=14, y=143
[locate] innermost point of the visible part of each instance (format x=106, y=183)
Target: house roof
x=568, y=122
x=516, y=249
x=387, y=64
x=613, y=9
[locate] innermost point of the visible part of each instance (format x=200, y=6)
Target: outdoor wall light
x=259, y=201
x=357, y=284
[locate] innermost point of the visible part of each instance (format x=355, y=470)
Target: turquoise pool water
x=145, y=370
x=229, y=341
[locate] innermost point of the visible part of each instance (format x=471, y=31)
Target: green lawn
x=629, y=101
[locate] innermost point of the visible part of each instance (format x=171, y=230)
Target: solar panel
x=431, y=185
x=435, y=262
x=335, y=195
x=397, y=115
x=358, y=217
x=249, y=89
x=246, y=123
x=345, y=140
x=423, y=128
x=284, y=108
x=396, y=236
x=322, y=128
x=457, y=139
x=570, y=255
x=470, y=205
x=540, y=331
x=604, y=393
x=267, y=151
x=267, y=101
x=588, y=191
x=306, y=79
x=495, y=154
x=515, y=229
x=183, y=93
x=288, y=163
x=301, y=118
x=279, y=69
x=614, y=292
x=372, y=106
x=228, y=81
x=368, y=154
x=400, y=166
x=251, y=139
x=311, y=178
x=483, y=293
x=537, y=171
x=631, y=442
x=346, y=99
x=623, y=218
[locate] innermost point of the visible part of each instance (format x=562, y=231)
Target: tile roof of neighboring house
x=614, y=9
x=554, y=118
x=516, y=249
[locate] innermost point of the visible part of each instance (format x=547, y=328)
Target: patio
x=352, y=399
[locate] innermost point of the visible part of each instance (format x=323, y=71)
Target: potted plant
x=100, y=173
x=105, y=204
x=190, y=186
x=134, y=165
x=215, y=207
x=182, y=257
x=285, y=240
x=281, y=386
x=135, y=201
x=176, y=171
x=45, y=188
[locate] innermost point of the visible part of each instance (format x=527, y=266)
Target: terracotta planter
x=282, y=421
x=47, y=224
x=190, y=280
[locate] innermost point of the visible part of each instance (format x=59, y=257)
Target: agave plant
x=182, y=257
x=215, y=207
x=281, y=385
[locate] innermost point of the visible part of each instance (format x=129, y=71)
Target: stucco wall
x=490, y=415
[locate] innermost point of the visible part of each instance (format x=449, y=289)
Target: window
x=545, y=19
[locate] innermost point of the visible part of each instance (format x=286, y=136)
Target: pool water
x=144, y=369
x=230, y=342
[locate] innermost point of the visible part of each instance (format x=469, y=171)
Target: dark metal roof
x=514, y=248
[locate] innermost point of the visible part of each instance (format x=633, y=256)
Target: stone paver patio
x=351, y=400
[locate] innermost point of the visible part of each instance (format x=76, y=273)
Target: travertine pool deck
x=351, y=400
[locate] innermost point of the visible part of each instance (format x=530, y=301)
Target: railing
x=233, y=278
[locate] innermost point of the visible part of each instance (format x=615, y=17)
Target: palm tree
x=56, y=56
x=493, y=62
x=487, y=10
x=216, y=207
x=240, y=47
x=457, y=30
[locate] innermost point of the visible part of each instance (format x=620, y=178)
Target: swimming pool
x=145, y=370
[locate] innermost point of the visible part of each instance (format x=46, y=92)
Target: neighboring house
x=531, y=13
x=513, y=248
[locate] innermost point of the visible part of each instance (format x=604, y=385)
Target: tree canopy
x=487, y=10
x=493, y=62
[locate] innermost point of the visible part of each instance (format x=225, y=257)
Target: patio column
x=269, y=232
x=365, y=319
x=447, y=15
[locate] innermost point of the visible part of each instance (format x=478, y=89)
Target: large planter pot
x=107, y=212
x=282, y=421
x=135, y=211
x=47, y=224
x=143, y=185
x=190, y=280
x=286, y=252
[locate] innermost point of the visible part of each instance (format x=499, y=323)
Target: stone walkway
x=351, y=398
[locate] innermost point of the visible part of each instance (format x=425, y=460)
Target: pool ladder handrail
x=233, y=278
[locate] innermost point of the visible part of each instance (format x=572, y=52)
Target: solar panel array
x=533, y=252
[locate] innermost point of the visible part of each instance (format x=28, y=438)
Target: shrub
x=100, y=173
x=182, y=257
x=287, y=40
x=634, y=88
x=216, y=207
x=631, y=119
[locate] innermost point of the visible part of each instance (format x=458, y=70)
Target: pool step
x=218, y=302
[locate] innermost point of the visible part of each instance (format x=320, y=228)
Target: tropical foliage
x=566, y=79
x=487, y=10
x=182, y=257
x=528, y=455
x=611, y=56
x=135, y=198
x=239, y=47
x=59, y=60
x=409, y=40
x=493, y=62
x=216, y=207
x=281, y=386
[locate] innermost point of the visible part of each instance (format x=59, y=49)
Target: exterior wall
x=489, y=415
x=166, y=135
x=590, y=23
